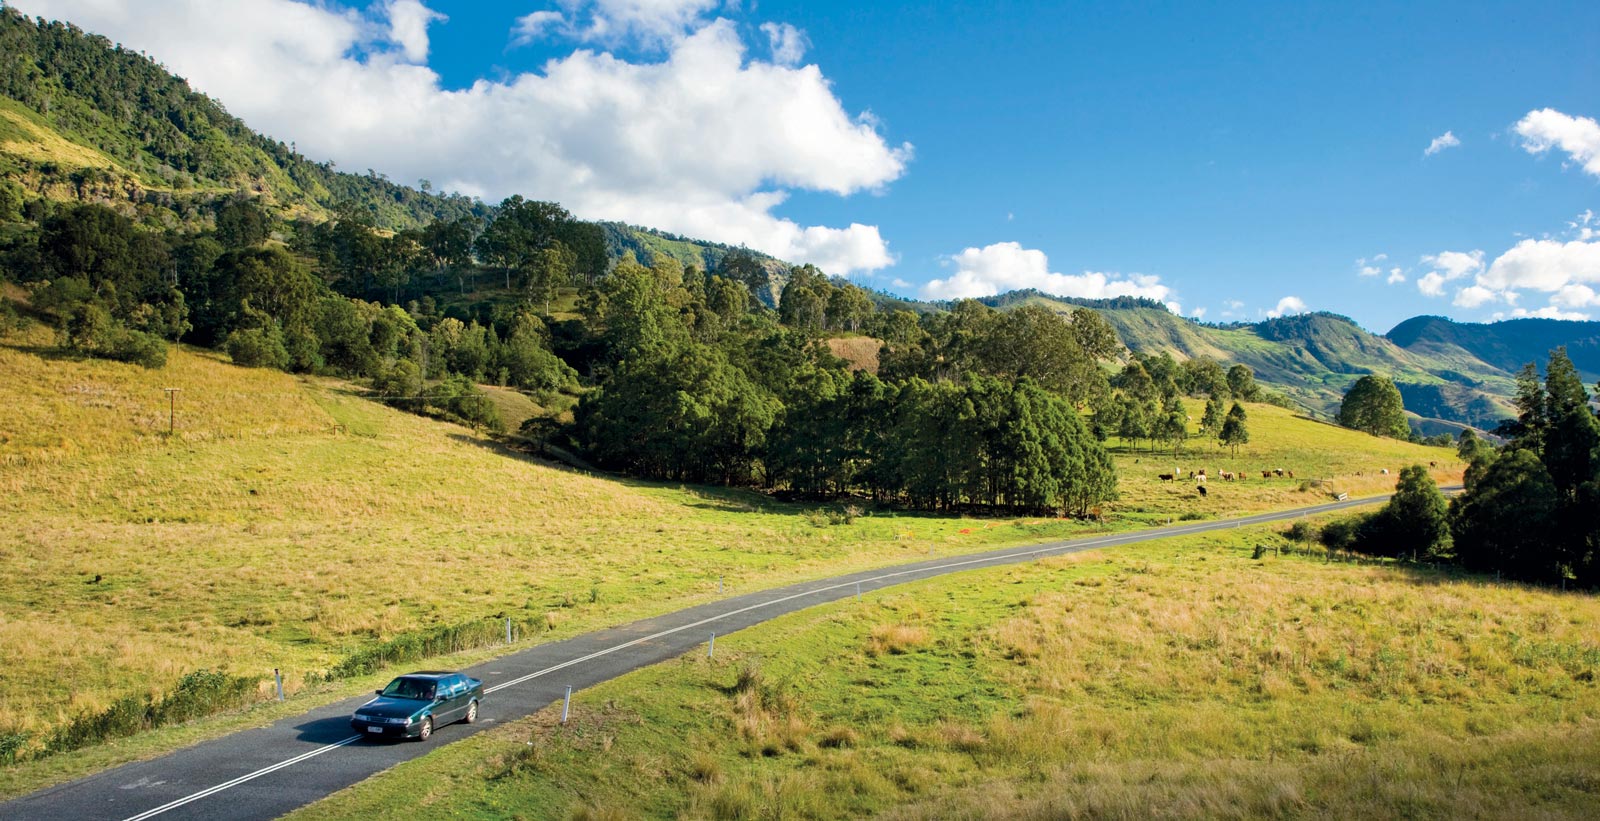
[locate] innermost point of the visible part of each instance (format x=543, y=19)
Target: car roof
x=427, y=674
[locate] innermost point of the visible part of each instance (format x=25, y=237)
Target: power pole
x=172, y=408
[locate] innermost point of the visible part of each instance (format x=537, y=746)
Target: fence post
x=711, y=649
x=566, y=704
x=278, y=678
x=508, y=629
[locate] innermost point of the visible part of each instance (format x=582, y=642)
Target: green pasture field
x=1183, y=678
x=287, y=523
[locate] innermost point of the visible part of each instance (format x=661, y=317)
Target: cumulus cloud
x=1288, y=306
x=1565, y=270
x=1198, y=313
x=1547, y=312
x=1578, y=137
x=1447, y=266
x=1396, y=276
x=706, y=141
x=408, y=27
x=1007, y=266
x=649, y=23
x=1440, y=143
x=787, y=42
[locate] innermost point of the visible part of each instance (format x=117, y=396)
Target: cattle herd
x=1226, y=475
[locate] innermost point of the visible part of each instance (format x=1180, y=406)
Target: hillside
x=1314, y=358
x=1506, y=345
x=84, y=120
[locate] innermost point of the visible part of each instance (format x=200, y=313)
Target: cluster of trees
x=695, y=382
x=1146, y=401
x=1528, y=507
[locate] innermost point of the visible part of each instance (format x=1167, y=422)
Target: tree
x=1373, y=405
x=1211, y=420
x=1174, y=425
x=1416, y=519
x=1234, y=432
x=550, y=270
x=1242, y=383
x=1495, y=523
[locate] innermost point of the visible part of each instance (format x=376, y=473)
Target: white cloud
x=1235, y=304
x=1584, y=226
x=1369, y=267
x=1447, y=266
x=1396, y=276
x=788, y=43
x=899, y=283
x=1440, y=143
x=408, y=27
x=707, y=141
x=1198, y=313
x=649, y=23
x=1287, y=306
x=1431, y=284
x=1575, y=296
x=1176, y=308
x=1007, y=266
x=1474, y=296
x=1548, y=128
x=1544, y=265
x=1547, y=312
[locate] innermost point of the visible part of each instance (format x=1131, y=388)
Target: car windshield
x=409, y=688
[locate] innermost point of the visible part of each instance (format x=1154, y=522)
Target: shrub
x=136, y=347
x=258, y=348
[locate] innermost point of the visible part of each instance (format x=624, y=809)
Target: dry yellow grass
x=1181, y=680
x=860, y=351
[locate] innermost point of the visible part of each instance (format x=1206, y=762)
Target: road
x=267, y=772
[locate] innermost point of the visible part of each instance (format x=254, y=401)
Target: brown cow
x=1165, y=477
x=1266, y=474
x=1291, y=474
x=1227, y=476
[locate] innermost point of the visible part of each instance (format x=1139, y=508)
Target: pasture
x=1182, y=679
x=287, y=523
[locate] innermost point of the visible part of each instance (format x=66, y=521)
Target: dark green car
x=413, y=705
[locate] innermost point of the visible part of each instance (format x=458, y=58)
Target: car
x=416, y=704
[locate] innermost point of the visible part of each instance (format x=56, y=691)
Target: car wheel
x=472, y=713
x=427, y=729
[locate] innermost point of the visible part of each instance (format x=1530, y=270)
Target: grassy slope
x=1178, y=679
x=288, y=523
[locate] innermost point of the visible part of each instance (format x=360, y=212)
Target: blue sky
x=1236, y=160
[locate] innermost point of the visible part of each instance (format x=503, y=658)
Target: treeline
x=1528, y=509
x=683, y=373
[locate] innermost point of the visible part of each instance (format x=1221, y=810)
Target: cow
x=1385, y=471
x=1266, y=474
x=1200, y=477
x=1165, y=477
x=1202, y=489
x=1291, y=474
x=1433, y=464
x=1227, y=476
x=1278, y=472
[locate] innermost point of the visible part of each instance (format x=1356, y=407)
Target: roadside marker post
x=711, y=649
x=508, y=629
x=858, y=591
x=566, y=704
x=278, y=677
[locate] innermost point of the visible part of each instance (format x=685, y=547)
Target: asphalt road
x=266, y=772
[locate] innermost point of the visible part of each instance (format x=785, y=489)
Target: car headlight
x=406, y=721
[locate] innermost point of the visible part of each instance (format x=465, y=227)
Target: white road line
x=1134, y=536
x=172, y=805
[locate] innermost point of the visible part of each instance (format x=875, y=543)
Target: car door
x=455, y=705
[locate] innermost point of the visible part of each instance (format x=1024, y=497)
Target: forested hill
x=1506, y=345
x=1314, y=358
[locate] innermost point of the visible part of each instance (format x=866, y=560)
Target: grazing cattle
x=1266, y=474
x=1165, y=477
x=1433, y=464
x=1278, y=472
x=1385, y=471
x=1291, y=474
x=1358, y=473
x=1201, y=488
x=1227, y=476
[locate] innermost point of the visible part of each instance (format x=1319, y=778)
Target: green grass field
x=1179, y=679
x=288, y=523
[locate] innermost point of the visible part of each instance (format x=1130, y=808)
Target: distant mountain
x=1505, y=345
x=1314, y=358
